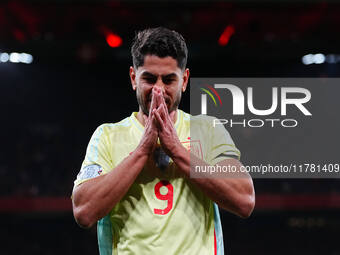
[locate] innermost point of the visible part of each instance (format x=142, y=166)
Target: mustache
x=166, y=99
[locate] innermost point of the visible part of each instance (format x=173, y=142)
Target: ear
x=132, y=73
x=186, y=75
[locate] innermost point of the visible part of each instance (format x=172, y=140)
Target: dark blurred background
x=74, y=77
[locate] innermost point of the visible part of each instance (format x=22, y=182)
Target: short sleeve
x=97, y=160
x=221, y=145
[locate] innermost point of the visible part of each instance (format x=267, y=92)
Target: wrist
x=178, y=151
x=141, y=153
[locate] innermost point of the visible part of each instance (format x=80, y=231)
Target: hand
x=166, y=130
x=149, y=139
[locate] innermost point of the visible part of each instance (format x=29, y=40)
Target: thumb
x=145, y=119
x=173, y=116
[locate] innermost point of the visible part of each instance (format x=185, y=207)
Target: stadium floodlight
x=319, y=58
x=4, y=57
x=14, y=57
x=308, y=59
x=114, y=40
x=26, y=58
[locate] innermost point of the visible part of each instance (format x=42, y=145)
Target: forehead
x=159, y=66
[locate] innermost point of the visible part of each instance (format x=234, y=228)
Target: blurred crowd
x=42, y=161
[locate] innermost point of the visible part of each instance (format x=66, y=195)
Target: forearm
x=233, y=193
x=95, y=198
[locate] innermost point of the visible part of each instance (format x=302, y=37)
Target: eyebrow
x=148, y=74
x=171, y=75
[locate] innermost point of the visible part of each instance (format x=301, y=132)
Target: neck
x=140, y=117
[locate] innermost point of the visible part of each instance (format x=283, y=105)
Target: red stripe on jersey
x=215, y=246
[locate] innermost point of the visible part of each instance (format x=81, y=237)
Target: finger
x=158, y=97
x=153, y=104
x=160, y=111
x=165, y=113
x=159, y=120
x=156, y=123
x=166, y=116
x=145, y=119
x=153, y=118
x=173, y=116
x=162, y=100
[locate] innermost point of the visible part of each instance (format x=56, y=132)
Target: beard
x=143, y=102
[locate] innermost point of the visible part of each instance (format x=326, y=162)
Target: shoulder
x=201, y=120
x=109, y=128
x=208, y=126
x=196, y=118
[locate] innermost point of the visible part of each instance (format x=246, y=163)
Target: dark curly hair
x=160, y=42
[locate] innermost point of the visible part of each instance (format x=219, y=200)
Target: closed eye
x=168, y=81
x=170, y=78
x=149, y=78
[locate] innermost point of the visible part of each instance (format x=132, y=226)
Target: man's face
x=163, y=73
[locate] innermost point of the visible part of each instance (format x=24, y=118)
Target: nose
x=159, y=84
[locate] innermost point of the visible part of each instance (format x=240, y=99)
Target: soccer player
x=135, y=178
